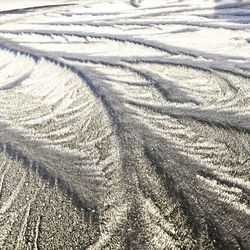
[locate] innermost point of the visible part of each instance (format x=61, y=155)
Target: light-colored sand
x=124, y=124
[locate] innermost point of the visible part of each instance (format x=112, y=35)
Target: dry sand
x=125, y=125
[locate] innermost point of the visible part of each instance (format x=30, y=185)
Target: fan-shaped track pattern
x=118, y=133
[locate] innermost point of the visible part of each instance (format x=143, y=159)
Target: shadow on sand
x=235, y=11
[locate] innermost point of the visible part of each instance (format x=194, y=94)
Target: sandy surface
x=125, y=124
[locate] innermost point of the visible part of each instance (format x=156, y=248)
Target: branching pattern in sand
x=125, y=125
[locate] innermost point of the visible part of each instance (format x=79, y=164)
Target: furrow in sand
x=170, y=50
x=7, y=204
